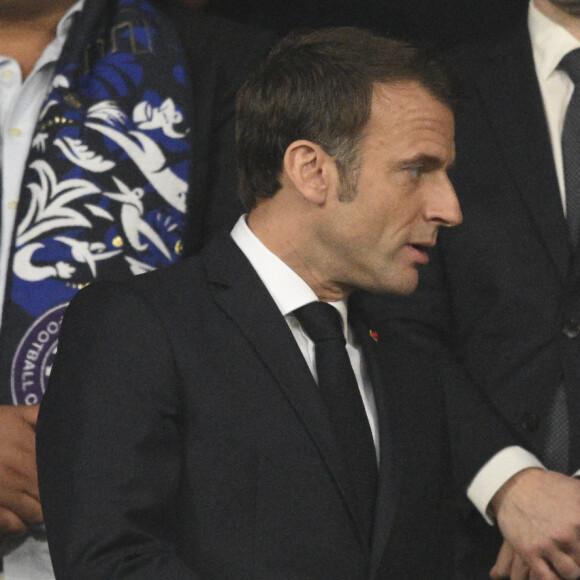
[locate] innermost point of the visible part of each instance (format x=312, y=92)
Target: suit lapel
x=389, y=469
x=246, y=300
x=523, y=137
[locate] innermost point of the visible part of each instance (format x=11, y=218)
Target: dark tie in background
x=340, y=391
x=571, y=146
x=558, y=433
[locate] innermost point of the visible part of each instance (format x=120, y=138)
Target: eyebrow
x=429, y=161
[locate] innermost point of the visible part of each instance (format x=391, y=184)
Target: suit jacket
x=220, y=54
x=502, y=289
x=182, y=436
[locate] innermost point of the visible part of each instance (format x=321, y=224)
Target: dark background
x=445, y=23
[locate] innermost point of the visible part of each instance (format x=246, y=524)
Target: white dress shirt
x=550, y=42
x=289, y=291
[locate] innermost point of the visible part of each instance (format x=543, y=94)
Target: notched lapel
x=389, y=468
x=246, y=300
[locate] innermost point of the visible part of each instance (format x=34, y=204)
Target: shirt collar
x=550, y=42
x=66, y=21
x=288, y=290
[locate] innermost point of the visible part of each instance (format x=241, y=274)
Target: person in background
x=116, y=130
x=230, y=416
x=500, y=301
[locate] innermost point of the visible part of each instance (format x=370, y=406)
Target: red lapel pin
x=374, y=335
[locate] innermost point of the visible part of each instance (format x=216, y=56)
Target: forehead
x=405, y=112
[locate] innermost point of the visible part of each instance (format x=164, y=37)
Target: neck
x=287, y=239
x=27, y=28
x=567, y=19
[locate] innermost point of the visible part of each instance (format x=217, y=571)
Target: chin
x=402, y=290
x=397, y=285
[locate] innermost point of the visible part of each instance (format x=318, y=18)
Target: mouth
x=421, y=251
x=422, y=247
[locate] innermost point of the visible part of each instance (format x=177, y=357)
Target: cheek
x=392, y=229
x=396, y=210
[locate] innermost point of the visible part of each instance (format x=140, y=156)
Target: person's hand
x=509, y=565
x=538, y=513
x=19, y=497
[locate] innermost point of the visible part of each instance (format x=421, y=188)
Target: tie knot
x=570, y=63
x=321, y=321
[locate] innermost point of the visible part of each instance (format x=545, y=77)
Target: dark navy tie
x=340, y=391
x=558, y=427
x=571, y=146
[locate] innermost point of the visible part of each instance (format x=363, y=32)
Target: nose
x=442, y=205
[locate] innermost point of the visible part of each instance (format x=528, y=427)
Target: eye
x=417, y=167
x=415, y=171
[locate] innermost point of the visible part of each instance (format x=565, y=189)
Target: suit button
x=571, y=329
x=530, y=422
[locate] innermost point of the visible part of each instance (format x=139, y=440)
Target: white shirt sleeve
x=491, y=477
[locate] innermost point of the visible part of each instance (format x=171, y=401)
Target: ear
x=310, y=169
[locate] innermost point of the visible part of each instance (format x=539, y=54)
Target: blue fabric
x=105, y=188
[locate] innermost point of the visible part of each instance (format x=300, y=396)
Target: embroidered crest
x=34, y=357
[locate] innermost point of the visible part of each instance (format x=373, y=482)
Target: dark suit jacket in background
x=182, y=436
x=220, y=54
x=502, y=289
x=443, y=22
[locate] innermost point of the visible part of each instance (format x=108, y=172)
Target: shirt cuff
x=491, y=477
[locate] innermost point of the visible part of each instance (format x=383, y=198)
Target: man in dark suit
x=501, y=296
x=189, y=429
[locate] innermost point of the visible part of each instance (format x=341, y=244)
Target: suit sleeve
x=108, y=444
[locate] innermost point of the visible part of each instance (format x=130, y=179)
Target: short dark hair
x=318, y=86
